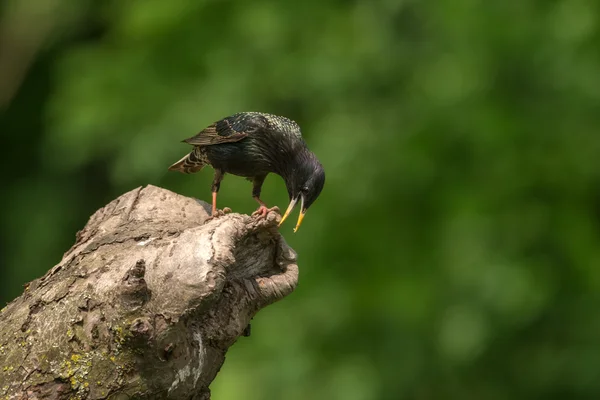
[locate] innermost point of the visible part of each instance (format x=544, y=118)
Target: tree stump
x=145, y=304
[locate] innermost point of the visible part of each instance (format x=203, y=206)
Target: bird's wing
x=223, y=131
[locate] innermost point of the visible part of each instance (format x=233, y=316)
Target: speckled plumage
x=252, y=145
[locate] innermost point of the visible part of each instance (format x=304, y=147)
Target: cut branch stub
x=145, y=303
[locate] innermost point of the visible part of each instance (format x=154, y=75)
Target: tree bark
x=145, y=304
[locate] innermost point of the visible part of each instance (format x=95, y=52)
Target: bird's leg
x=214, y=204
x=216, y=185
x=263, y=210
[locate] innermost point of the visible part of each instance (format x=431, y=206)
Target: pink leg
x=263, y=210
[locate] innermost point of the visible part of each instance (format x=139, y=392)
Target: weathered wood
x=145, y=304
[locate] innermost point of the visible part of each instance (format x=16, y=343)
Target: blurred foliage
x=454, y=253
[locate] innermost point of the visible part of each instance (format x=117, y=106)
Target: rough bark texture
x=145, y=304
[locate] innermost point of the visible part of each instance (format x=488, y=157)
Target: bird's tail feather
x=190, y=163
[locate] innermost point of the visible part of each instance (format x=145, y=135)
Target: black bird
x=253, y=144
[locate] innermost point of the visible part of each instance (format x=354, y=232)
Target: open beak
x=293, y=203
x=300, y=218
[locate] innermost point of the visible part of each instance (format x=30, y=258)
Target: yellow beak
x=290, y=208
x=300, y=218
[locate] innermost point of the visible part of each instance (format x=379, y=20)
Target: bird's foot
x=216, y=213
x=264, y=210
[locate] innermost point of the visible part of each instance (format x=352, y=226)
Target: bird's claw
x=262, y=211
x=219, y=213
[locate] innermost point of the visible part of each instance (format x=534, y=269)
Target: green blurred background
x=454, y=252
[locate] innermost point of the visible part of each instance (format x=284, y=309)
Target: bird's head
x=304, y=185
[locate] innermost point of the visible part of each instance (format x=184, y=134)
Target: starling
x=251, y=145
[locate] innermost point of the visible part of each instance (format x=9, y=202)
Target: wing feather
x=220, y=132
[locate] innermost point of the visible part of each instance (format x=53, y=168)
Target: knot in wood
x=141, y=329
x=134, y=291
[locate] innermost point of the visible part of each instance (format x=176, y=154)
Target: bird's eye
x=305, y=189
